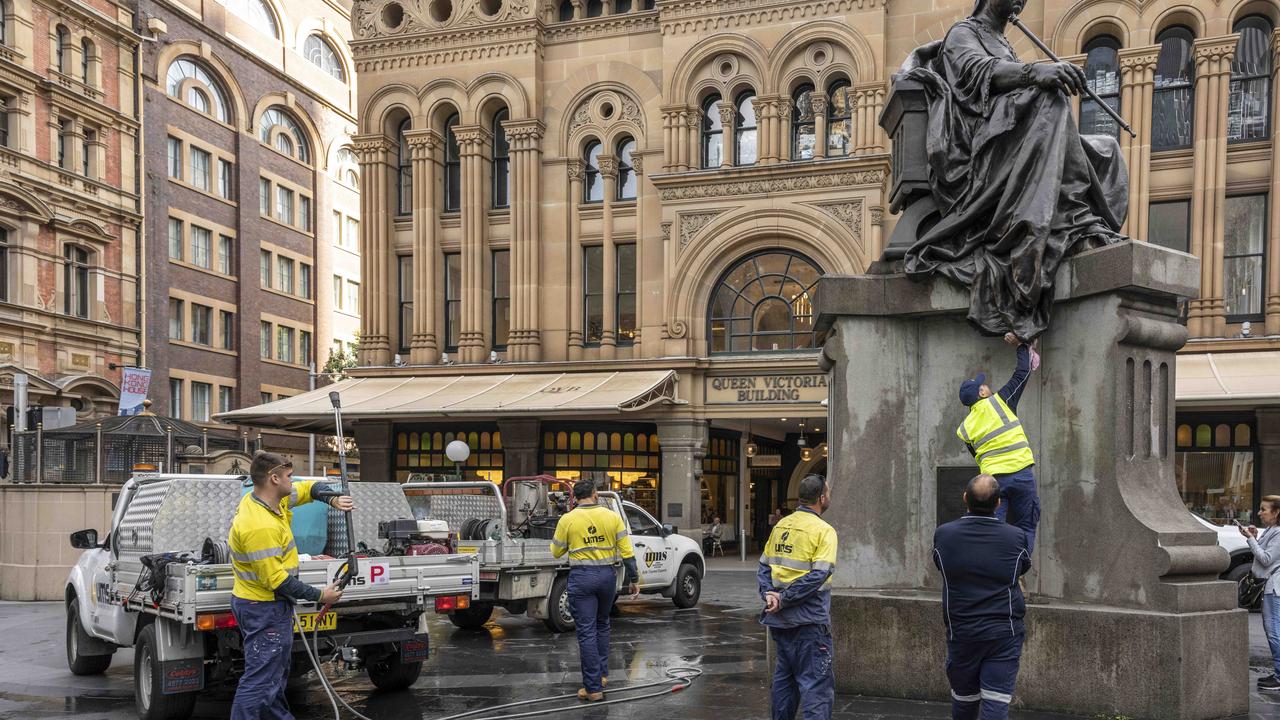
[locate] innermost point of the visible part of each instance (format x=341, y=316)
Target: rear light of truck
x=449, y=603
x=215, y=621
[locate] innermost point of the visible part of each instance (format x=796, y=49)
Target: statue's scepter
x=1013, y=19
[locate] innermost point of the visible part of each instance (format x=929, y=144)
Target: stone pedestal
x=1129, y=615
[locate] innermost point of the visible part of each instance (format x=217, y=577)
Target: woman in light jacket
x=1266, y=561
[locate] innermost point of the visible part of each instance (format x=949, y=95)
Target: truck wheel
x=560, y=619
x=76, y=635
x=392, y=673
x=151, y=702
x=688, y=587
x=1236, y=575
x=473, y=618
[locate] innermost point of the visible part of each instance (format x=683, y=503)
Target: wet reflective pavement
x=513, y=658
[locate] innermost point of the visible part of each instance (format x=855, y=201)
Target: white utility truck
x=510, y=530
x=160, y=582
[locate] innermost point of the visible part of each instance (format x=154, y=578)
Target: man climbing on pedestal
x=994, y=435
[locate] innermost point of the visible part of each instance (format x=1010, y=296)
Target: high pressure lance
x=352, y=566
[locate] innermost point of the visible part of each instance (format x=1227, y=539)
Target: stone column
x=1272, y=271
x=1209, y=180
x=692, y=140
x=472, y=347
x=764, y=128
x=376, y=449
x=374, y=153
x=870, y=138
x=1137, y=74
x=728, y=117
x=819, y=100
x=576, y=174
x=609, y=259
x=637, y=167
x=785, y=106
x=670, y=132
x=520, y=445
x=525, y=341
x=423, y=144
x=579, y=9
x=877, y=232
x=684, y=443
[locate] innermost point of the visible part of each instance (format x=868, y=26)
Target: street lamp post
x=457, y=451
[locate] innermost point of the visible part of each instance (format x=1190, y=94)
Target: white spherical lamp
x=457, y=451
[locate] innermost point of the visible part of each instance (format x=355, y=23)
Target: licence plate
x=468, y=550
x=311, y=622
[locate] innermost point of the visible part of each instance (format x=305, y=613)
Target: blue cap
x=969, y=389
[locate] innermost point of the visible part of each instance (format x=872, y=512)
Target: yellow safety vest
x=263, y=552
x=592, y=535
x=996, y=436
x=799, y=544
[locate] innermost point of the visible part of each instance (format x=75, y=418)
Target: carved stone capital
x=423, y=143
x=524, y=134
x=818, y=103
x=608, y=166
x=576, y=170
x=471, y=139
x=1214, y=55
x=727, y=113
x=692, y=119
x=877, y=215
x=637, y=164
x=371, y=148
x=1138, y=60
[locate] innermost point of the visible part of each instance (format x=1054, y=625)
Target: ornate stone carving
x=423, y=143
x=471, y=140
x=666, y=231
x=760, y=186
x=848, y=212
x=637, y=164
x=877, y=215
x=727, y=113
x=818, y=103
x=677, y=328
x=581, y=117
x=608, y=166
x=693, y=223
x=576, y=170
x=709, y=16
x=632, y=113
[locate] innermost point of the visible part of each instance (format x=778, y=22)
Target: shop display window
x=420, y=454
x=630, y=458
x=1215, y=468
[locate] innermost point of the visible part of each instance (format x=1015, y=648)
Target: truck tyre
x=473, y=618
x=76, y=637
x=688, y=587
x=151, y=702
x=559, y=618
x=1237, y=574
x=392, y=673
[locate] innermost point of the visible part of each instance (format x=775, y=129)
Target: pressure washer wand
x=352, y=563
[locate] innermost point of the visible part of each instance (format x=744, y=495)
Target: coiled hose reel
x=481, y=529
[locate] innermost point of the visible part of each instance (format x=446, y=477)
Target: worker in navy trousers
x=795, y=583
x=981, y=558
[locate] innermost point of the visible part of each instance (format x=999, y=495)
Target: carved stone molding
x=608, y=26
x=524, y=134
x=666, y=230
x=766, y=185
x=576, y=170
x=423, y=143
x=727, y=113
x=847, y=212
x=637, y=164
x=877, y=215
x=470, y=139
x=706, y=16
x=372, y=19
x=608, y=166
x=370, y=148
x=693, y=223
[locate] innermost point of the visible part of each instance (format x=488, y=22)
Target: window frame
x=626, y=172
x=315, y=43
x=1266, y=76
x=201, y=243
x=792, y=334
x=204, y=327
x=404, y=170
x=77, y=283
x=4, y=254
x=1189, y=85
x=591, y=179
x=798, y=121
x=590, y=291
x=500, y=301
x=710, y=134
x=833, y=117
x=620, y=337
x=177, y=319
x=404, y=302
x=1112, y=43
x=1260, y=315
x=227, y=330
x=452, y=166
x=740, y=130
x=501, y=170
x=452, y=301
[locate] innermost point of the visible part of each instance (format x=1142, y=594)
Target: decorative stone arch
x=20, y=204
x=1168, y=13
x=686, y=73
x=621, y=77
x=330, y=33
x=442, y=98
x=588, y=121
x=735, y=234
x=847, y=47
x=282, y=19
x=288, y=101
x=802, y=469
x=1086, y=19
x=490, y=90
x=1244, y=8
x=374, y=113
x=203, y=52
x=92, y=385
x=331, y=165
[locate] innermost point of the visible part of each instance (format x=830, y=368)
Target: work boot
x=1269, y=683
x=585, y=696
x=604, y=682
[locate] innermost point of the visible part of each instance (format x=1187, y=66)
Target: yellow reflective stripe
x=1000, y=451
x=256, y=555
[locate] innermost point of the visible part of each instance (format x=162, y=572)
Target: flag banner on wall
x=133, y=390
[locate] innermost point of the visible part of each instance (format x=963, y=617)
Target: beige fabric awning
x=451, y=396
x=1228, y=378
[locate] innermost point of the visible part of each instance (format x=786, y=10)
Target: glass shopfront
x=1216, y=467
x=627, y=456
x=419, y=452
x=720, y=479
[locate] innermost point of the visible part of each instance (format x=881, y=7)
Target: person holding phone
x=1266, y=561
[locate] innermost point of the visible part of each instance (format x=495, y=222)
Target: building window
x=76, y=279
x=339, y=301
x=592, y=186
x=258, y=14
x=348, y=168
x=592, y=294
x=4, y=23
x=265, y=397
x=200, y=393
x=712, y=130
x=280, y=130
x=86, y=58
x=1244, y=256
x=420, y=452
x=452, y=300
x=353, y=297
x=201, y=324
x=840, y=105
x=405, y=299
x=175, y=239
x=626, y=173
x=304, y=281
x=177, y=319
x=628, y=455
x=284, y=344
x=595, y=8
x=86, y=153
x=744, y=136
x=1215, y=466
x=804, y=131
x=264, y=269
x=1102, y=73
x=4, y=257
x=175, y=398
x=322, y=55
x=626, y=297
x=228, y=324
x=224, y=399
x=201, y=246
x=501, y=161
x=264, y=340
x=61, y=38
x=1173, y=103
x=226, y=254
x=501, y=310
x=284, y=275
x=404, y=175
x=203, y=93
x=1170, y=224
x=353, y=234
x=7, y=104
x=304, y=213
x=1249, y=105
x=764, y=303
x=566, y=10
x=304, y=347
x=284, y=205
x=226, y=180
x=64, y=144
x=452, y=166
x=719, y=478
x=264, y=197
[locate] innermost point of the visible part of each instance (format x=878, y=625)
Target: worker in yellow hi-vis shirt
x=795, y=584
x=596, y=540
x=264, y=558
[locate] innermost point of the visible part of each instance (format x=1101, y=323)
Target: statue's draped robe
x=1018, y=188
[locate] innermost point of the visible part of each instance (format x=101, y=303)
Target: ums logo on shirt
x=592, y=536
x=782, y=546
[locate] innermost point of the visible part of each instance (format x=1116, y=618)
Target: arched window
x=712, y=130
x=1102, y=72
x=75, y=280
x=840, y=100
x=744, y=137
x=764, y=303
x=592, y=187
x=1249, y=106
x=4, y=22
x=404, y=168
x=201, y=88
x=86, y=57
x=258, y=14
x=1173, y=103
x=452, y=166
x=566, y=10
x=626, y=173
x=501, y=161
x=621, y=6
x=61, y=38
x=348, y=168
x=322, y=55
x=280, y=130
x=595, y=8
x=804, y=133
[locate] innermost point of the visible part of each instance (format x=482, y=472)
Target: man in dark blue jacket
x=981, y=559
